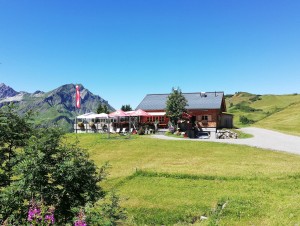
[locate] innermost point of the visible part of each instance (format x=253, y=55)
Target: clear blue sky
x=125, y=49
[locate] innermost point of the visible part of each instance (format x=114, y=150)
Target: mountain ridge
x=55, y=107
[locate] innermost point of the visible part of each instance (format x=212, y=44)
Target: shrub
x=60, y=174
x=15, y=131
x=107, y=212
x=244, y=120
x=245, y=108
x=255, y=98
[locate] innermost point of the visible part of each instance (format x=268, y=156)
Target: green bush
x=255, y=98
x=245, y=108
x=244, y=120
x=60, y=174
x=106, y=212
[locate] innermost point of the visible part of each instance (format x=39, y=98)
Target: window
x=205, y=117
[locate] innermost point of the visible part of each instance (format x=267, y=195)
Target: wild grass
x=265, y=107
x=287, y=120
x=268, y=102
x=178, y=181
x=168, y=200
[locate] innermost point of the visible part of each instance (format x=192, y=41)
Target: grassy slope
x=277, y=112
x=46, y=114
x=178, y=181
x=287, y=120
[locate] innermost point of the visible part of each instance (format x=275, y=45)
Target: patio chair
x=111, y=130
x=124, y=132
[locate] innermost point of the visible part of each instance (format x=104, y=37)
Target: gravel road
x=263, y=138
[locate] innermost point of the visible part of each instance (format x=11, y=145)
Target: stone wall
x=226, y=134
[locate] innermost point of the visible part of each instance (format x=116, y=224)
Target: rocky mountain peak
x=6, y=91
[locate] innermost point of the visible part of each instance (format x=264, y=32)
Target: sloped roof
x=208, y=100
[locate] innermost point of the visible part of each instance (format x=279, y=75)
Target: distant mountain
x=56, y=107
x=6, y=91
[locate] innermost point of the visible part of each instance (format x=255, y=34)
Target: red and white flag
x=77, y=97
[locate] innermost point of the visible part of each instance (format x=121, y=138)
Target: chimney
x=203, y=94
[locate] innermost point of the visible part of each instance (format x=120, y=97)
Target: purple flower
x=34, y=213
x=80, y=223
x=49, y=217
x=80, y=219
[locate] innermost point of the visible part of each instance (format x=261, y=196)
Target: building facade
x=206, y=110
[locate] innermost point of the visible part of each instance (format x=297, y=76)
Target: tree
x=15, y=131
x=126, y=107
x=106, y=109
x=102, y=109
x=59, y=174
x=175, y=105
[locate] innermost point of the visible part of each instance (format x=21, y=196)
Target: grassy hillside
x=177, y=182
x=277, y=112
x=286, y=120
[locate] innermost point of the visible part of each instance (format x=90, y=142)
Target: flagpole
x=75, y=121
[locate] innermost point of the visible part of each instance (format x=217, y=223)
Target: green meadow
x=170, y=182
